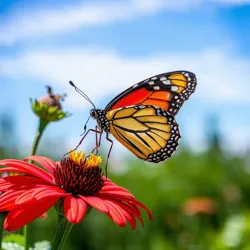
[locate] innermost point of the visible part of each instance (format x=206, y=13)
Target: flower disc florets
x=79, y=175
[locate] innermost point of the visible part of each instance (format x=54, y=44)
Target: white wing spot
x=136, y=85
x=174, y=88
x=156, y=88
x=151, y=83
x=186, y=74
x=163, y=78
x=154, y=78
x=168, y=82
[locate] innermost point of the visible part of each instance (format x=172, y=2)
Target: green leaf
x=17, y=238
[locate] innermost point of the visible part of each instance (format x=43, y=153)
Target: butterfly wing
x=168, y=91
x=147, y=131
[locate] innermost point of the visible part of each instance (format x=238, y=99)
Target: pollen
x=86, y=162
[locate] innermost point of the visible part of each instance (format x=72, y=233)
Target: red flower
x=77, y=180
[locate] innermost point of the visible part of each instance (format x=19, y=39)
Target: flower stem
x=63, y=229
x=2, y=217
x=42, y=126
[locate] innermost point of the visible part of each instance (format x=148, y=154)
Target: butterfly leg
x=108, y=139
x=98, y=141
x=92, y=130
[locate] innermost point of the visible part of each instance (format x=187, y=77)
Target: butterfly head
x=93, y=113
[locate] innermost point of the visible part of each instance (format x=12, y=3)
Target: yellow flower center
x=87, y=162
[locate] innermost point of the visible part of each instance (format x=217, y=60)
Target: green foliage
x=17, y=238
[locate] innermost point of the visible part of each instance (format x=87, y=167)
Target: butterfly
x=142, y=118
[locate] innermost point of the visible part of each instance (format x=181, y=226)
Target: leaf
x=17, y=238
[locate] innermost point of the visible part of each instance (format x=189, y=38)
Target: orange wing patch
x=167, y=91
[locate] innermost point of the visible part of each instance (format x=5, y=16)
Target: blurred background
x=200, y=197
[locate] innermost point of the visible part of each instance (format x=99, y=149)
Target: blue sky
x=107, y=46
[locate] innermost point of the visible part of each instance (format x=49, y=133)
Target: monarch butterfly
x=142, y=117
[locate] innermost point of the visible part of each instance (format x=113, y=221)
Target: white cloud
x=221, y=76
x=29, y=23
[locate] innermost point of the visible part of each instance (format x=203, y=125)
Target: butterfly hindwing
x=168, y=91
x=147, y=131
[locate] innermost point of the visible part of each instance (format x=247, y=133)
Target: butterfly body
x=142, y=118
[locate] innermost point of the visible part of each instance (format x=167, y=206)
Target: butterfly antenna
x=82, y=94
x=85, y=126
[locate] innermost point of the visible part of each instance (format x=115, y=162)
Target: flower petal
x=30, y=169
x=48, y=191
x=96, y=203
x=116, y=193
x=43, y=161
x=19, y=181
x=116, y=197
x=116, y=214
x=138, y=204
x=129, y=216
x=7, y=199
x=39, y=193
x=25, y=197
x=74, y=209
x=27, y=212
x=12, y=170
x=131, y=211
x=109, y=186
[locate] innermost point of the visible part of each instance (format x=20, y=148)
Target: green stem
x=27, y=229
x=42, y=126
x=2, y=217
x=63, y=229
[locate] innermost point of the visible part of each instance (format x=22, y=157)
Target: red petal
x=12, y=170
x=129, y=216
x=43, y=161
x=130, y=210
x=96, y=203
x=26, y=196
x=30, y=169
x=116, y=193
x=48, y=191
x=74, y=209
x=18, y=181
x=133, y=206
x=138, y=204
x=116, y=214
x=7, y=199
x=115, y=197
x=131, y=219
x=113, y=187
x=25, y=213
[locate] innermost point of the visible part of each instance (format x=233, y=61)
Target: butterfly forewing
x=147, y=131
x=168, y=91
